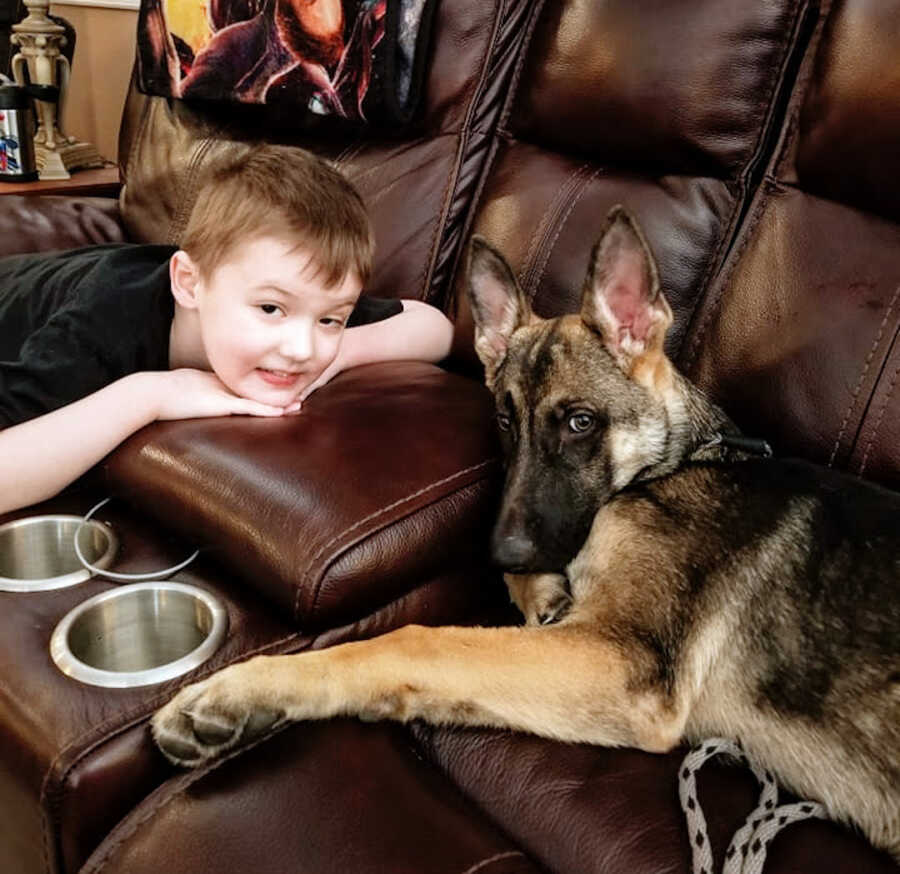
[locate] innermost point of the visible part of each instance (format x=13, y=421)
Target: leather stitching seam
x=188, y=191
x=428, y=267
x=580, y=184
x=497, y=857
x=891, y=386
x=370, y=517
x=801, y=88
x=496, y=135
x=520, y=66
x=737, y=255
x=777, y=76
x=859, y=383
x=541, y=229
x=184, y=783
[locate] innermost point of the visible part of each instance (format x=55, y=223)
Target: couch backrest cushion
x=678, y=87
x=848, y=146
x=799, y=333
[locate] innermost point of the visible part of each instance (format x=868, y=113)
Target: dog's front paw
x=207, y=719
x=543, y=599
x=554, y=609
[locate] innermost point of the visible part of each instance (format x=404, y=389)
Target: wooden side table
x=102, y=182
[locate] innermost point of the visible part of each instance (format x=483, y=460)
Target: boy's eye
x=329, y=322
x=270, y=309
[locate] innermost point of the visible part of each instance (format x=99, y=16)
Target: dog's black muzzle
x=514, y=553
x=539, y=547
x=544, y=518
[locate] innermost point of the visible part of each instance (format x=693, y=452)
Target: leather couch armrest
x=40, y=223
x=387, y=478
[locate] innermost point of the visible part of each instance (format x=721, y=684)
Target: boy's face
x=268, y=325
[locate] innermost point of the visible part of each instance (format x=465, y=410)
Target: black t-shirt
x=73, y=322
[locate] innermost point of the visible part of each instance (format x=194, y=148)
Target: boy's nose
x=297, y=344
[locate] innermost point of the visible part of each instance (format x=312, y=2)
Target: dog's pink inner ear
x=622, y=300
x=497, y=304
x=626, y=292
x=496, y=309
x=491, y=344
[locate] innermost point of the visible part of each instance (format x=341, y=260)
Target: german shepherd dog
x=674, y=586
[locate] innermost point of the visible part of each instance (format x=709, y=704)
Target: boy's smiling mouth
x=278, y=378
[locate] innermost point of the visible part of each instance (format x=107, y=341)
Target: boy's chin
x=276, y=399
x=270, y=398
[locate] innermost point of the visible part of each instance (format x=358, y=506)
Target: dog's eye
x=581, y=422
x=504, y=423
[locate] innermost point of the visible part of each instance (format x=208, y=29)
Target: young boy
x=257, y=308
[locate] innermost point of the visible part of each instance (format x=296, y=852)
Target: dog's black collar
x=750, y=445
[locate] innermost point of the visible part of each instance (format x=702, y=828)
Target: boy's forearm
x=420, y=333
x=40, y=457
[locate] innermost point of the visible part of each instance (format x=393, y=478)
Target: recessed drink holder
x=139, y=634
x=38, y=553
x=134, y=635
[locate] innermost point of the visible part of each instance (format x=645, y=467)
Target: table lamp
x=40, y=62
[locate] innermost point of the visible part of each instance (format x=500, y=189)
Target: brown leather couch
x=757, y=143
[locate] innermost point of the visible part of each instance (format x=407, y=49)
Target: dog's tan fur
x=689, y=609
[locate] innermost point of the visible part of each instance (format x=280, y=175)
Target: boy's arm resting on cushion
x=40, y=457
x=420, y=332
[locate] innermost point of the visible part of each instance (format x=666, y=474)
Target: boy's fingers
x=312, y=387
x=255, y=408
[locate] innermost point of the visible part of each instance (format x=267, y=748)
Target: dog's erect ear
x=621, y=298
x=498, y=305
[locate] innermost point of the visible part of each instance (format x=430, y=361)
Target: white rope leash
x=127, y=578
x=747, y=851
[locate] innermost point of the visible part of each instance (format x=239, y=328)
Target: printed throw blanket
x=362, y=60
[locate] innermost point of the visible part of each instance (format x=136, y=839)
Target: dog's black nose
x=514, y=552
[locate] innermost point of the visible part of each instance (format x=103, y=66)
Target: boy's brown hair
x=283, y=191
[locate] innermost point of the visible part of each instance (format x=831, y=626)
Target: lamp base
x=68, y=155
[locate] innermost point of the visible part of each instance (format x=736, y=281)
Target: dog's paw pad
x=210, y=728
x=261, y=721
x=178, y=751
x=194, y=731
x=178, y=743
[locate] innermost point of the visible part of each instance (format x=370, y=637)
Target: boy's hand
x=195, y=394
x=326, y=375
x=419, y=333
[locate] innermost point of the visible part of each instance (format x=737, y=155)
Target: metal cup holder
x=38, y=553
x=139, y=634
